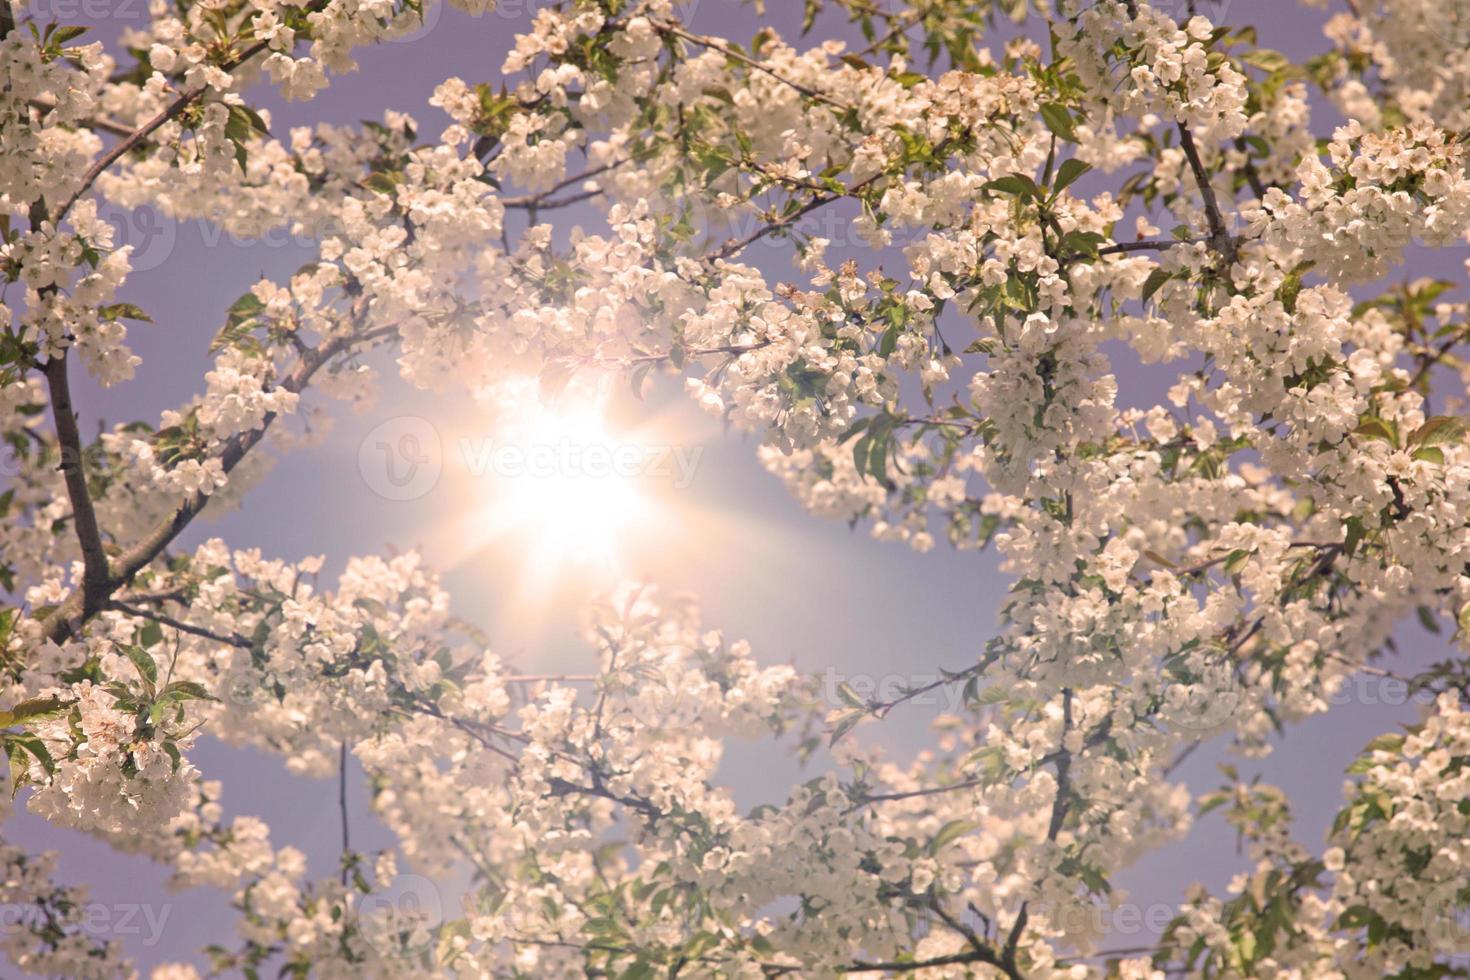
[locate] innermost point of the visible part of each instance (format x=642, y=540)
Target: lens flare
x=560, y=484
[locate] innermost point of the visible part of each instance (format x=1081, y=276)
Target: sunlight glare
x=557, y=488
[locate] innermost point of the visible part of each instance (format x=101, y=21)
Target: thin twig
x=139, y=135
x=543, y=199
x=737, y=245
x=342, y=806
x=714, y=44
x=92, y=122
x=231, y=639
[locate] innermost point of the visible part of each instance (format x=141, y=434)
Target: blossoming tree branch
x=1124, y=175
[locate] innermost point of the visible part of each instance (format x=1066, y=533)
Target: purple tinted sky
x=801, y=590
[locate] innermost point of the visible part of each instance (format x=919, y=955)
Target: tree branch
x=984, y=955
x=139, y=135
x=533, y=202
x=233, y=639
x=1151, y=245
x=95, y=573
x=1220, y=238
x=76, y=609
x=1059, y=808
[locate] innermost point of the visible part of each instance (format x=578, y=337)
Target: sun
x=557, y=481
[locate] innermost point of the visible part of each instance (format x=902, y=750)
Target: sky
x=804, y=591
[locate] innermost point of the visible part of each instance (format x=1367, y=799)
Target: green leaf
x=1427, y=619
x=147, y=669
x=1266, y=60
x=124, y=311
x=243, y=125
x=150, y=634
x=20, y=767
x=32, y=709
x=382, y=183
x=1355, y=534
x=66, y=33
x=189, y=690
x=1373, y=427
x=1068, y=173
x=1212, y=802
x=949, y=833
x=1155, y=282
x=1015, y=185
x=1059, y=121
x=860, y=450
x=641, y=970
x=1236, y=560
x=846, y=723
x=1387, y=742
x=638, y=376
x=1159, y=559
x=1084, y=243
x=36, y=748
x=371, y=606
x=1441, y=430
x=889, y=342
x=246, y=306
x=878, y=458
x=1430, y=454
